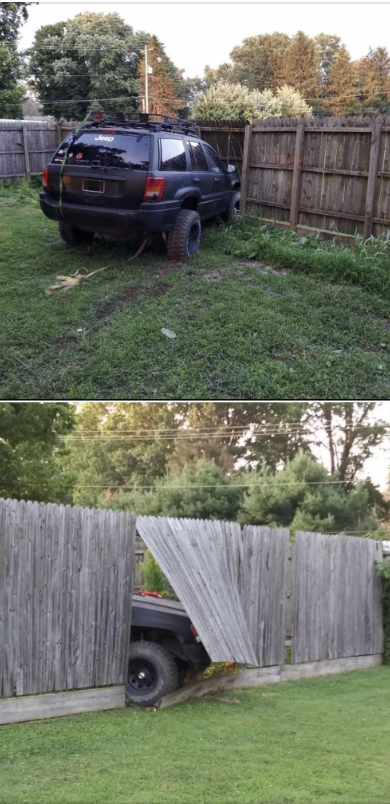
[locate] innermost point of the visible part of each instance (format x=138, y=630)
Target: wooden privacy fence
x=330, y=174
x=65, y=604
x=234, y=584
x=26, y=146
x=65, y=600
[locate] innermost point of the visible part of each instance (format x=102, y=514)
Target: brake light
x=45, y=179
x=193, y=631
x=154, y=189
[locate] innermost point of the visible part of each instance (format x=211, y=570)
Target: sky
x=196, y=34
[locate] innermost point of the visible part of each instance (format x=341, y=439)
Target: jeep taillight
x=154, y=189
x=45, y=179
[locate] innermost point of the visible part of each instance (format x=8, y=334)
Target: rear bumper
x=147, y=218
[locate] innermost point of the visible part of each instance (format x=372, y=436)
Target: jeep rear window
x=108, y=149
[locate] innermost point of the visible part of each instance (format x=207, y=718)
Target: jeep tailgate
x=104, y=168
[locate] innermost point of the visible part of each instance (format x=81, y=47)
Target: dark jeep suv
x=117, y=174
x=164, y=648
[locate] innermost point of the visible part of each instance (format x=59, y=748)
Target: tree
x=204, y=492
x=236, y=102
x=341, y=84
x=90, y=56
x=12, y=17
x=259, y=63
x=12, y=92
x=328, y=46
x=31, y=448
x=165, y=80
x=118, y=444
x=373, y=80
x=244, y=434
x=305, y=496
x=350, y=434
x=302, y=66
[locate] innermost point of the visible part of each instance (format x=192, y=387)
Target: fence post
x=59, y=133
x=245, y=168
x=198, y=132
x=372, y=177
x=26, y=153
x=296, y=182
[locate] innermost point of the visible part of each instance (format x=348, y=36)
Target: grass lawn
x=243, y=331
x=314, y=740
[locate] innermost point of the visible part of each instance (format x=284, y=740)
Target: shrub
x=237, y=102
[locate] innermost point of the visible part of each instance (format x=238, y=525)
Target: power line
x=265, y=484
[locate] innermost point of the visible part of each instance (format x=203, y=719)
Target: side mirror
x=230, y=169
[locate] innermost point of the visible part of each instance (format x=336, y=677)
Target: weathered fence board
x=337, y=608
x=263, y=590
x=65, y=597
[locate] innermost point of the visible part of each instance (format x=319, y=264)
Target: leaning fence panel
x=232, y=583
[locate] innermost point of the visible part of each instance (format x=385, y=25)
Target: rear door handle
x=216, y=179
x=195, y=180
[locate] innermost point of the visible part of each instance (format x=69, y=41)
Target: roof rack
x=141, y=120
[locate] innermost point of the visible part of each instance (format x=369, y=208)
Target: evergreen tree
x=304, y=496
x=165, y=81
x=373, y=79
x=302, y=66
x=341, y=84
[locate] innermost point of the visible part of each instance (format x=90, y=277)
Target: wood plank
x=26, y=151
x=331, y=171
x=257, y=677
x=60, y=704
x=291, y=672
x=245, y=168
x=372, y=177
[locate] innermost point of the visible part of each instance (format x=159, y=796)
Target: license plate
x=93, y=186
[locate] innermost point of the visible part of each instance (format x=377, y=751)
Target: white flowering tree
x=236, y=102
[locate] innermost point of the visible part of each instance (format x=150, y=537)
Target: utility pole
x=146, y=82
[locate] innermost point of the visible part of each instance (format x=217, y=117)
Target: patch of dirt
x=166, y=269
x=214, y=277
x=267, y=269
x=159, y=290
x=110, y=305
x=67, y=343
x=370, y=349
x=126, y=296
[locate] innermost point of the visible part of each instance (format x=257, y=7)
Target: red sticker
x=79, y=156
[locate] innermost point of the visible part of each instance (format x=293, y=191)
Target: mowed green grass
x=317, y=740
x=242, y=332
